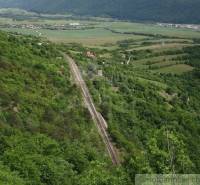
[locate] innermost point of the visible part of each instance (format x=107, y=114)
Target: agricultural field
x=89, y=31
x=176, y=69
x=92, y=37
x=154, y=29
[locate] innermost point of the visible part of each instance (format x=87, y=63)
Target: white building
x=74, y=24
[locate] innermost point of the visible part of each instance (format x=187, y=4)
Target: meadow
x=153, y=29
x=94, y=31
x=94, y=37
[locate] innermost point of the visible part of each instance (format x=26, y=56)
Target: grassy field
x=99, y=35
x=162, y=47
x=153, y=29
x=176, y=69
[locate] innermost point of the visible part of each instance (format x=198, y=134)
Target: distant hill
x=182, y=11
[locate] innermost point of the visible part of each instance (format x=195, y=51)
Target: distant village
x=69, y=26
x=187, y=26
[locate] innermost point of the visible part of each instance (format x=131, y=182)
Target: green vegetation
x=129, y=27
x=46, y=134
x=177, y=69
x=149, y=95
x=95, y=32
x=91, y=37
x=150, y=99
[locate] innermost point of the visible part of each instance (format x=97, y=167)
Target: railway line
x=96, y=116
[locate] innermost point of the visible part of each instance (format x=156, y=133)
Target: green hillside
x=186, y=11
x=149, y=95
x=46, y=134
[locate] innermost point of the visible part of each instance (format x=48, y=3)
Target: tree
x=7, y=177
x=99, y=174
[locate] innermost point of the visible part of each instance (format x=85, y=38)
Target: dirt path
x=96, y=116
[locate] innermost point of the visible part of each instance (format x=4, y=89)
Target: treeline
x=155, y=10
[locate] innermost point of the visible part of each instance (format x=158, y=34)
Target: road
x=96, y=116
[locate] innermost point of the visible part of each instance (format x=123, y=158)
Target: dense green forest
x=182, y=11
x=46, y=134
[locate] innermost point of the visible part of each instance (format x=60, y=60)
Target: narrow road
x=96, y=116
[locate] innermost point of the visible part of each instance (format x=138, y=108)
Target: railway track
x=96, y=116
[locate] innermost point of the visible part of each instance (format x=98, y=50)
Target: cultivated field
x=96, y=36
x=91, y=31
